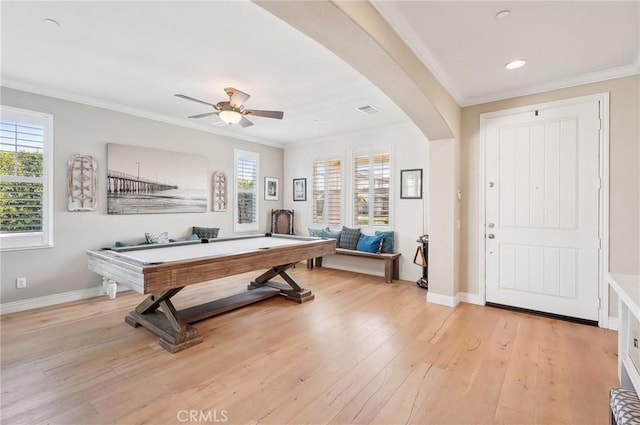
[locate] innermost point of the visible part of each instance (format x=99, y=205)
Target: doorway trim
x=603, y=222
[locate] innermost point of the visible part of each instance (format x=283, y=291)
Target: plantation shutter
x=381, y=174
x=371, y=184
x=246, y=173
x=24, y=178
x=327, y=191
x=361, y=194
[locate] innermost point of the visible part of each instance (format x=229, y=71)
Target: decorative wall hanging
x=219, y=202
x=82, y=189
x=152, y=181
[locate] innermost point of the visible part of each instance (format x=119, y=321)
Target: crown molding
x=98, y=103
x=594, y=77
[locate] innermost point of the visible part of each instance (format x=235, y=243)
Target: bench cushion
x=625, y=406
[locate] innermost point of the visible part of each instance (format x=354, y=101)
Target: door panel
x=542, y=197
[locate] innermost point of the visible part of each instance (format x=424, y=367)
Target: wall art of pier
x=129, y=194
x=126, y=183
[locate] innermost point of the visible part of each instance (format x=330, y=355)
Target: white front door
x=542, y=200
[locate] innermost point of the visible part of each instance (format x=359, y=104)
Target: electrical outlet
x=21, y=282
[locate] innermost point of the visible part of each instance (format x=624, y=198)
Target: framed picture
x=300, y=189
x=143, y=180
x=271, y=188
x=411, y=184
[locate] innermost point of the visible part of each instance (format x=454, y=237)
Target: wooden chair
x=282, y=222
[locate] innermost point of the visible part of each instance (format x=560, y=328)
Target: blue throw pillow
x=329, y=234
x=316, y=233
x=370, y=243
x=349, y=238
x=193, y=237
x=120, y=244
x=387, y=241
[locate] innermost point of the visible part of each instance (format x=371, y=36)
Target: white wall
x=85, y=129
x=409, y=150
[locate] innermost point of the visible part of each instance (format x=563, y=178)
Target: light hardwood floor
x=361, y=352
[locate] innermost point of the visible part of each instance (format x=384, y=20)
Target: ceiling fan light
x=230, y=117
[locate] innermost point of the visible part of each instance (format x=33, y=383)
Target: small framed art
x=300, y=189
x=271, y=188
x=411, y=184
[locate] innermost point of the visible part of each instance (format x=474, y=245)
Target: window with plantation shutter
x=327, y=192
x=246, y=193
x=26, y=176
x=371, y=175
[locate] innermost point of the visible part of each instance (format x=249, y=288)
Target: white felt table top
x=168, y=253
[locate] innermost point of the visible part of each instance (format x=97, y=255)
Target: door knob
x=491, y=236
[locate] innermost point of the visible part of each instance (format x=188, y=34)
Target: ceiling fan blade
x=195, y=100
x=245, y=122
x=208, y=114
x=236, y=97
x=268, y=114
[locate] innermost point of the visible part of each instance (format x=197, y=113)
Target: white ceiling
x=565, y=43
x=134, y=56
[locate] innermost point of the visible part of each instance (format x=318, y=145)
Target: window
x=327, y=192
x=26, y=179
x=246, y=193
x=371, y=174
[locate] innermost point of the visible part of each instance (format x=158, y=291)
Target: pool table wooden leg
x=294, y=291
x=173, y=332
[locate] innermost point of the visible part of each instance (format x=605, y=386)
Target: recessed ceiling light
x=518, y=63
x=52, y=22
x=503, y=14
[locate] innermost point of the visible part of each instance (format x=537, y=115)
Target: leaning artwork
x=153, y=181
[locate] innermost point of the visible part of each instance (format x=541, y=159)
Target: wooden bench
x=391, y=262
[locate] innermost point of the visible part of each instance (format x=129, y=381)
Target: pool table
x=163, y=270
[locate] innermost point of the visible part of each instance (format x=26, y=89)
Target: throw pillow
x=329, y=234
x=316, y=233
x=157, y=237
x=370, y=243
x=206, y=232
x=387, y=241
x=193, y=237
x=349, y=238
x=120, y=244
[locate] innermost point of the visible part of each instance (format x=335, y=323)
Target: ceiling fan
x=232, y=111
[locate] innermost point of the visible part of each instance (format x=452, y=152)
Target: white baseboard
x=469, y=298
x=48, y=300
x=442, y=299
x=614, y=324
